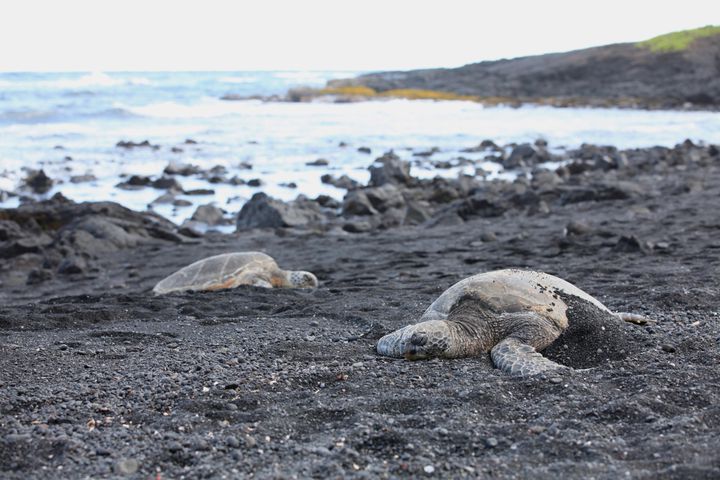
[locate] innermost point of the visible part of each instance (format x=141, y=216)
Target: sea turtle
x=510, y=313
x=230, y=270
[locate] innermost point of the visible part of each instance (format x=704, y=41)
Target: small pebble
x=668, y=348
x=174, y=446
x=127, y=466
x=491, y=442
x=429, y=469
x=250, y=441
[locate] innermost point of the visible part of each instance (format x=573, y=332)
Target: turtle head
x=300, y=279
x=424, y=345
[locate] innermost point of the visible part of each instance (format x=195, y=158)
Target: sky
x=149, y=35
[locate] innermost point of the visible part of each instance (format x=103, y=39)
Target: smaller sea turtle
x=510, y=314
x=230, y=270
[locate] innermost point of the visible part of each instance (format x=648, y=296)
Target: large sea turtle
x=230, y=270
x=510, y=313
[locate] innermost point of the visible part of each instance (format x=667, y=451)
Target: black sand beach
x=100, y=379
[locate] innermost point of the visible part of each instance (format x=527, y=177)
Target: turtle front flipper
x=414, y=342
x=517, y=358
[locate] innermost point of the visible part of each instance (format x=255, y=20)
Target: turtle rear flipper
x=517, y=358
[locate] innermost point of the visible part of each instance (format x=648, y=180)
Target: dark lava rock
x=525, y=155
x=200, y=191
x=320, y=162
x=389, y=169
x=131, y=144
x=164, y=198
x=167, y=183
x=138, y=181
x=600, y=192
x=38, y=181
x=184, y=169
x=83, y=178
x=254, y=182
x=262, y=211
x=289, y=185
x=72, y=264
x=484, y=145
x=385, y=197
x=356, y=202
x=364, y=150
x=135, y=182
x=632, y=244
x=191, y=229
x=209, y=214
x=343, y=181
x=427, y=153
x=357, y=226
x=417, y=212
x=327, y=201
x=62, y=235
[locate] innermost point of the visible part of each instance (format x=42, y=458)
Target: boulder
x=262, y=211
x=343, y=181
x=389, y=169
x=184, y=169
x=356, y=202
x=58, y=235
x=167, y=183
x=38, y=181
x=525, y=155
x=208, y=214
x=327, y=201
x=385, y=197
x=417, y=212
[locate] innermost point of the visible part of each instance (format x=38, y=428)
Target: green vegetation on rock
x=678, y=41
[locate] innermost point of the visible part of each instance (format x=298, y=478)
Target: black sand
x=100, y=379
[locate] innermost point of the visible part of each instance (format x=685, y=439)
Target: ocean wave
x=238, y=80
x=301, y=76
x=60, y=115
x=207, y=108
x=85, y=82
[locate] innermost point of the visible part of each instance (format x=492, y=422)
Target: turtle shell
x=513, y=290
x=227, y=270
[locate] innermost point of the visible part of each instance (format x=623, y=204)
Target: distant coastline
x=679, y=70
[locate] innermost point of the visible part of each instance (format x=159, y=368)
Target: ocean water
x=69, y=123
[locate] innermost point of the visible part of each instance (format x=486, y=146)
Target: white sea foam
x=84, y=82
x=206, y=108
x=238, y=80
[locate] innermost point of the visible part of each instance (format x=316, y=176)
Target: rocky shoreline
x=102, y=379
x=625, y=75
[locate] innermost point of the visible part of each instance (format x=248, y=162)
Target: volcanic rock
x=262, y=211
